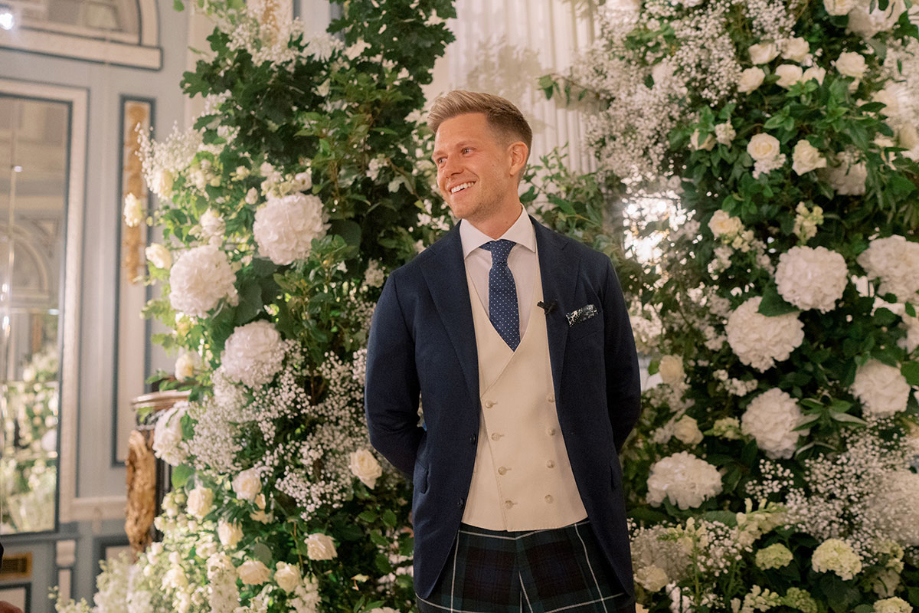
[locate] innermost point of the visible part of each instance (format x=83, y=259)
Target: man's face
x=476, y=170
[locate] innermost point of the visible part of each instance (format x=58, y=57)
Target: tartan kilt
x=538, y=571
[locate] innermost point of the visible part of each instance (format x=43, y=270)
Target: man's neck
x=496, y=225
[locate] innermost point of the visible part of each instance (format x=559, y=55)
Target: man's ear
x=518, y=156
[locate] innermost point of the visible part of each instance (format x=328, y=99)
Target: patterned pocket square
x=582, y=314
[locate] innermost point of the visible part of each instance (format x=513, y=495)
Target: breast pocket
x=589, y=328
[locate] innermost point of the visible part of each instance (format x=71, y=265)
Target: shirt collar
x=521, y=232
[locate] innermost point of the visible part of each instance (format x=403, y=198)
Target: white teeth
x=461, y=187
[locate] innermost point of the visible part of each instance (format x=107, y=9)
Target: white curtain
x=504, y=46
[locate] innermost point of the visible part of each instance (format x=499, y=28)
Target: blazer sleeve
x=623, y=378
x=392, y=389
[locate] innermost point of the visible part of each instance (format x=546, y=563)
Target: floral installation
x=783, y=287
x=281, y=211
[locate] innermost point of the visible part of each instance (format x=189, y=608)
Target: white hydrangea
x=882, y=389
x=812, y=278
x=837, y=556
x=200, y=279
x=761, y=341
x=892, y=605
x=285, y=227
x=911, y=325
x=167, y=435
x=847, y=179
x=895, y=261
x=253, y=354
x=684, y=479
x=771, y=419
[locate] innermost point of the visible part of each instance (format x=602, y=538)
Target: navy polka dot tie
x=502, y=293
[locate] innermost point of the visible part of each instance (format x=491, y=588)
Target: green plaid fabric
x=538, y=571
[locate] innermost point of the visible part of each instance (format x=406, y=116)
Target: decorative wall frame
x=139, y=50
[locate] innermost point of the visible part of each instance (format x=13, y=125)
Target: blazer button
x=550, y=431
x=490, y=403
x=473, y=439
x=550, y=464
x=550, y=398
x=460, y=503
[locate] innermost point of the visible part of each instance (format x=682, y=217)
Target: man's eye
x=467, y=149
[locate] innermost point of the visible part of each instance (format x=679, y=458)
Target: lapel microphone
x=547, y=307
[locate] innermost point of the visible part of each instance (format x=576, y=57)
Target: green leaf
x=368, y=516
x=910, y=370
x=389, y=518
x=180, y=475
x=348, y=230
x=773, y=304
x=910, y=310
x=850, y=419
x=177, y=5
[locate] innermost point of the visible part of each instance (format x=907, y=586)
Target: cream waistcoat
x=522, y=478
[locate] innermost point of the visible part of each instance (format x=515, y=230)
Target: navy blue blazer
x=422, y=344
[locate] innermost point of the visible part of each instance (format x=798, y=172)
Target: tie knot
x=500, y=249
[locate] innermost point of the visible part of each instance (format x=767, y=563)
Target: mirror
x=34, y=142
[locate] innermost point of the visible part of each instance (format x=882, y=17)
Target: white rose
x=806, y=158
x=851, y=64
x=723, y=224
x=814, y=72
x=652, y=578
x=838, y=7
x=763, y=53
x=287, y=576
x=229, y=533
x=212, y=224
x=365, y=467
x=795, y=49
x=789, y=74
x=247, y=484
x=750, y=79
x=133, y=211
x=252, y=196
x=200, y=501
x=185, y=365
x=320, y=547
x=671, y=367
x=707, y=144
x=162, y=183
x=159, y=256
x=253, y=572
x=763, y=147
x=687, y=431
x=890, y=101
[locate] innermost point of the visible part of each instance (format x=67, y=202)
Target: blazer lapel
x=445, y=274
x=559, y=269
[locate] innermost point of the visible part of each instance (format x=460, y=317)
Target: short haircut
x=501, y=114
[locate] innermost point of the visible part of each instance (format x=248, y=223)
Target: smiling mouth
x=461, y=187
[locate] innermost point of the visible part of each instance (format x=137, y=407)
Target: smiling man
x=518, y=341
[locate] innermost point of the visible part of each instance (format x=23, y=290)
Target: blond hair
x=501, y=114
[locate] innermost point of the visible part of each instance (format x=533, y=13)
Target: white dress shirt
x=522, y=261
